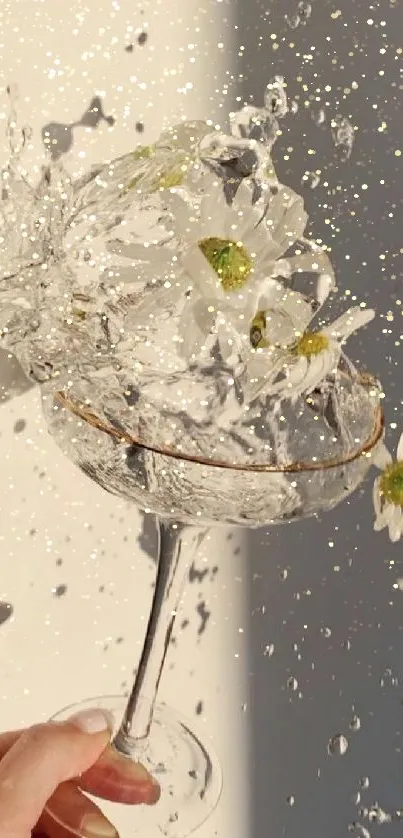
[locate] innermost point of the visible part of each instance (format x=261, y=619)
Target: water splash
x=300, y=16
x=337, y=745
x=343, y=136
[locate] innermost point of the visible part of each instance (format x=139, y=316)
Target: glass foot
x=187, y=770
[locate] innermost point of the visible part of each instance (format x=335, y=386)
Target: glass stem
x=176, y=549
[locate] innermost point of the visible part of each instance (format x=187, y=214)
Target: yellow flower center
x=169, y=179
x=144, y=152
x=257, y=330
x=311, y=343
x=229, y=259
x=391, y=483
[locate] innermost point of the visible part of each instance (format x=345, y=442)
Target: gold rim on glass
x=82, y=412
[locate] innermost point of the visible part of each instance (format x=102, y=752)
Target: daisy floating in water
x=314, y=355
x=388, y=491
x=226, y=256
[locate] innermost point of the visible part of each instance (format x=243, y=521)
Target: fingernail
x=92, y=721
x=93, y=826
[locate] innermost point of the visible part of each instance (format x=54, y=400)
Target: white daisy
x=229, y=254
x=313, y=356
x=282, y=317
x=388, y=491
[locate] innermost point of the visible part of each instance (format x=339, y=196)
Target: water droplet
x=292, y=683
x=275, y=97
x=269, y=650
x=358, y=829
x=388, y=679
x=346, y=645
x=301, y=16
x=59, y=590
x=293, y=21
x=364, y=782
x=337, y=745
x=343, y=135
x=355, y=723
x=311, y=179
x=6, y=611
x=304, y=10
x=378, y=815
x=19, y=426
x=356, y=798
x=283, y=574
x=291, y=800
x=326, y=631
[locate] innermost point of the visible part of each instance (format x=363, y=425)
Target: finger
x=8, y=739
x=113, y=776
x=69, y=812
x=43, y=757
x=116, y=777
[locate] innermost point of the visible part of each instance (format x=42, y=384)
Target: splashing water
x=301, y=16
x=95, y=291
x=337, y=745
x=343, y=136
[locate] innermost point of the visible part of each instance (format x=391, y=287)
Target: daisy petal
x=395, y=524
x=139, y=252
x=194, y=326
x=399, y=452
x=381, y=457
x=320, y=366
x=286, y=218
x=314, y=262
x=184, y=223
x=295, y=376
x=384, y=518
x=349, y=322
x=201, y=272
x=376, y=497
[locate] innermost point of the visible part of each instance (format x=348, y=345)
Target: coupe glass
x=103, y=284
x=190, y=494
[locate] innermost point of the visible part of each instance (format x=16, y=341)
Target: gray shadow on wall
x=325, y=608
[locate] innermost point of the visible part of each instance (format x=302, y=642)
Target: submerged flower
x=229, y=252
x=314, y=355
x=388, y=491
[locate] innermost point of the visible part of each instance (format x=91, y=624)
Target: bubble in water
x=343, y=135
x=337, y=745
x=355, y=723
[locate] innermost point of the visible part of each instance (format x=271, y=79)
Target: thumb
x=42, y=758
